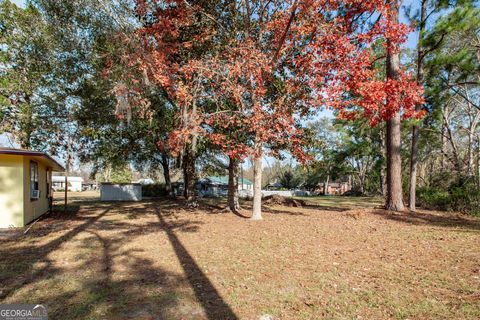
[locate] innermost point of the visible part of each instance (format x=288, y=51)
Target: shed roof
x=38, y=155
x=70, y=179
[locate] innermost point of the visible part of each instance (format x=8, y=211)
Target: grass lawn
x=160, y=260
x=343, y=202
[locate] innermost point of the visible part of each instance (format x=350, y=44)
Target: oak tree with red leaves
x=268, y=65
x=176, y=38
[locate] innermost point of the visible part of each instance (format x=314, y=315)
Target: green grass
x=343, y=202
x=323, y=202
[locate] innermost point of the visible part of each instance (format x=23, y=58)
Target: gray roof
x=22, y=152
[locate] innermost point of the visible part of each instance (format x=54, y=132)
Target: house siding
x=34, y=208
x=11, y=191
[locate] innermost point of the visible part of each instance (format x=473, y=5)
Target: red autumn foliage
x=282, y=61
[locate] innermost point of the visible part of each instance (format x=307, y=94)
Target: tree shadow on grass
x=278, y=210
x=326, y=208
x=23, y=258
x=85, y=295
x=213, y=304
x=85, y=280
x=91, y=290
x=445, y=220
x=143, y=290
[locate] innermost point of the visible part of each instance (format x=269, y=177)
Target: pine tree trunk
x=394, y=199
x=257, y=188
x=233, y=203
x=416, y=129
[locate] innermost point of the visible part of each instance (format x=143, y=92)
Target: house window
x=33, y=180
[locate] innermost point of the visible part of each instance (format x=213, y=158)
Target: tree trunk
x=413, y=169
x=325, y=185
x=364, y=167
x=383, y=175
x=473, y=116
x=26, y=126
x=416, y=129
x=470, y=159
x=189, y=175
x=478, y=163
x=233, y=203
x=444, y=148
x=456, y=158
x=394, y=199
x=166, y=175
x=257, y=188
x=190, y=155
x=383, y=181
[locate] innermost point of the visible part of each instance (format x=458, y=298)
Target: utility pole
x=67, y=169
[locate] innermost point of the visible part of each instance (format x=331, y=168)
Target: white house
x=74, y=183
x=145, y=182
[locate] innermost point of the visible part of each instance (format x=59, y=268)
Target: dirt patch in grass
x=161, y=260
x=283, y=201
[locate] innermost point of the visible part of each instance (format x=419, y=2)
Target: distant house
x=89, y=186
x=273, y=186
x=25, y=185
x=216, y=186
x=74, y=183
x=245, y=184
x=145, y=182
x=335, y=188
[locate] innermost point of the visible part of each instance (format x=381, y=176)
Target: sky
x=18, y=2
x=412, y=39
x=7, y=141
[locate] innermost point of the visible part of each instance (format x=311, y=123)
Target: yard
x=158, y=260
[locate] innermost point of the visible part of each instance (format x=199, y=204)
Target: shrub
x=462, y=195
x=433, y=198
x=465, y=199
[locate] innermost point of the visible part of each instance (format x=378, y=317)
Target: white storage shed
x=121, y=192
